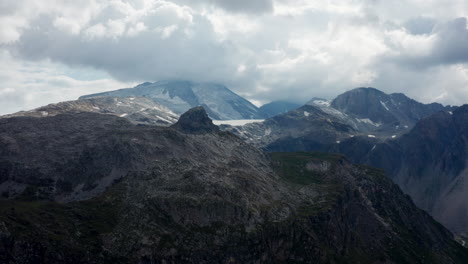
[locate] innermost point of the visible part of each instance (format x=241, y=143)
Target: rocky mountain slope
x=192, y=194
x=370, y=127
x=139, y=110
x=430, y=163
x=179, y=96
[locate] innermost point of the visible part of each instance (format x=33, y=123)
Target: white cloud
x=10, y=31
x=25, y=86
x=265, y=50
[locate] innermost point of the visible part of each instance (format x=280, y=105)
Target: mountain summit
x=180, y=96
x=388, y=110
x=196, y=121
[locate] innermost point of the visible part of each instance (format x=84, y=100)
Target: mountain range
x=96, y=188
x=320, y=123
x=142, y=175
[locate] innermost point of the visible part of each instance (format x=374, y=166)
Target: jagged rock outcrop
x=195, y=120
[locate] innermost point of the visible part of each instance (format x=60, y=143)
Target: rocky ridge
x=138, y=110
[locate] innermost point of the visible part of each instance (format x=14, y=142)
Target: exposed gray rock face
x=430, y=163
x=151, y=194
x=196, y=121
x=179, y=96
x=138, y=110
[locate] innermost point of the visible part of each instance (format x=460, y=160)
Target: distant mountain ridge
x=390, y=111
x=179, y=96
x=139, y=110
x=364, y=112
x=302, y=129
x=278, y=107
x=372, y=111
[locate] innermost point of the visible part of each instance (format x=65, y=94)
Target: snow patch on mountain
x=368, y=121
x=384, y=105
x=137, y=109
x=321, y=102
x=239, y=122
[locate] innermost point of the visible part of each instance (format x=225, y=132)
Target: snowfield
x=239, y=122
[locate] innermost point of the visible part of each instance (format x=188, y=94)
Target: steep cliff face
x=430, y=164
x=196, y=195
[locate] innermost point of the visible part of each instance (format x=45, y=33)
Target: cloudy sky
x=55, y=50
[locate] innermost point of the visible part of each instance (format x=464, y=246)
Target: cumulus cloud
x=246, y=5
x=238, y=6
x=452, y=43
x=265, y=50
x=420, y=25
x=162, y=41
x=25, y=85
x=441, y=44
